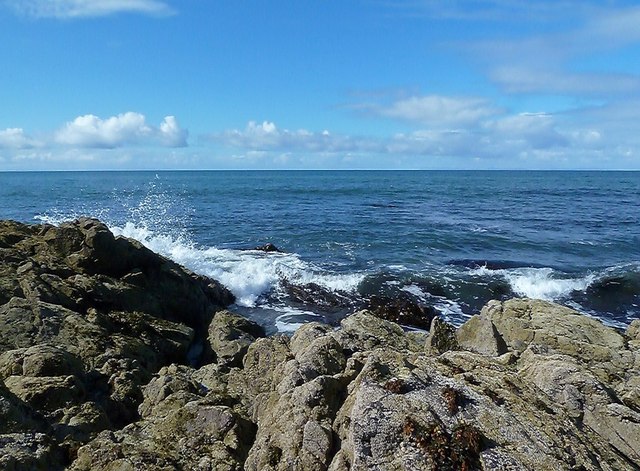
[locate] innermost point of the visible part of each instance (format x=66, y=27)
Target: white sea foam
x=451, y=311
x=539, y=283
x=290, y=319
x=247, y=273
x=416, y=291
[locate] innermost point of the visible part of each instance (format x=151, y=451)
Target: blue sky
x=411, y=84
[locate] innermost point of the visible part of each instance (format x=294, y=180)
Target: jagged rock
x=442, y=337
x=364, y=331
x=29, y=451
x=230, y=336
x=194, y=435
x=479, y=335
x=86, y=318
x=633, y=331
x=94, y=374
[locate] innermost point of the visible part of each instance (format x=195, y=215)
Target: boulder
x=230, y=336
x=479, y=335
x=402, y=310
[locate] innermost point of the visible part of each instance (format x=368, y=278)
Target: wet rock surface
x=112, y=357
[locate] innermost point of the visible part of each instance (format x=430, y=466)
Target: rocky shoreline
x=115, y=358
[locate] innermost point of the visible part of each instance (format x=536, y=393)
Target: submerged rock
x=402, y=310
x=268, y=247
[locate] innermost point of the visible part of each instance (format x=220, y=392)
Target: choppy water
x=452, y=240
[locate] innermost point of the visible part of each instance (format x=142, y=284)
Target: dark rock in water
x=402, y=310
x=269, y=247
x=315, y=296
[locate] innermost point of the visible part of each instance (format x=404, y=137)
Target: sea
x=448, y=240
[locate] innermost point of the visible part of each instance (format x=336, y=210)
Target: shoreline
x=112, y=355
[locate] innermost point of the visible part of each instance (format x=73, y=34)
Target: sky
x=357, y=84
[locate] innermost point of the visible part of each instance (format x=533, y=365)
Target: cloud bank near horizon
x=473, y=133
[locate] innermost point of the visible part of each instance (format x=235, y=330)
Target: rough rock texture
x=91, y=382
x=86, y=319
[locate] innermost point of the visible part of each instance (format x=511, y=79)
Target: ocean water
x=450, y=240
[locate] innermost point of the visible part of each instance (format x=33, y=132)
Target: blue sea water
x=451, y=240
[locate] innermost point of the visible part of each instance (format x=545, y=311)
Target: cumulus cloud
x=171, y=134
x=62, y=9
x=535, y=130
x=496, y=137
x=129, y=128
x=15, y=138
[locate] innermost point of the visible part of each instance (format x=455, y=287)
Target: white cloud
x=87, y=8
x=171, y=135
x=15, y=138
x=129, y=128
x=531, y=79
x=534, y=130
x=437, y=110
x=267, y=136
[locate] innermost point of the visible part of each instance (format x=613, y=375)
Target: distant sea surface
x=449, y=240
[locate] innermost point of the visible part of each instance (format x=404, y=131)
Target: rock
x=364, y=331
x=633, y=331
x=99, y=369
x=86, y=318
x=193, y=436
x=442, y=337
x=521, y=322
x=319, y=297
x=479, y=335
x=230, y=336
x=29, y=451
x=402, y=310
x=268, y=247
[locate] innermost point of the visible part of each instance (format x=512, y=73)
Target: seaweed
x=459, y=450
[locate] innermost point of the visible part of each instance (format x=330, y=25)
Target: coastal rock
x=524, y=322
x=100, y=370
x=402, y=311
x=441, y=338
x=312, y=294
x=268, y=247
x=86, y=318
x=479, y=335
x=230, y=336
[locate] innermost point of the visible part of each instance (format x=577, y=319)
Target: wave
x=538, y=283
x=262, y=281
x=248, y=274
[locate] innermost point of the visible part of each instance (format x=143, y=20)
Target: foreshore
x=114, y=357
